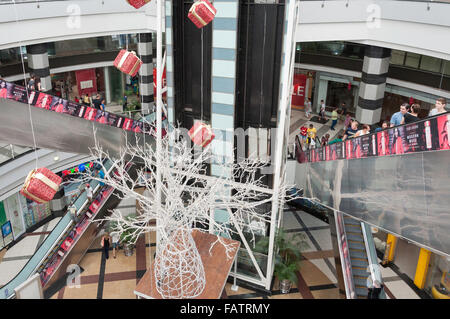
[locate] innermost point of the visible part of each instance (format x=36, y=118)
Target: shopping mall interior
x=288, y=150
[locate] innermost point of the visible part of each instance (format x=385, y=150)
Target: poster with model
x=19, y=94
x=127, y=124
x=58, y=105
x=72, y=108
x=383, y=143
x=3, y=90
x=102, y=117
x=413, y=137
x=443, y=125
x=137, y=126
x=44, y=101
x=90, y=113
x=115, y=120
x=365, y=146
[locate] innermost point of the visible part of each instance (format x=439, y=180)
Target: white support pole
x=158, y=107
x=285, y=96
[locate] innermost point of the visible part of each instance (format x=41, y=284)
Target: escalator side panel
x=406, y=195
x=61, y=132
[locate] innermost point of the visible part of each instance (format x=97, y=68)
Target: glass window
x=33, y=212
x=397, y=57
x=13, y=213
x=446, y=67
x=429, y=63
x=412, y=60
x=12, y=55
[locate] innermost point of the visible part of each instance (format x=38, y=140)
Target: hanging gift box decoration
x=138, y=3
x=201, y=134
x=155, y=82
x=41, y=185
x=201, y=13
x=128, y=62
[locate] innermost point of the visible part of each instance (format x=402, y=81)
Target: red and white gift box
x=128, y=62
x=138, y=3
x=201, y=13
x=201, y=134
x=41, y=185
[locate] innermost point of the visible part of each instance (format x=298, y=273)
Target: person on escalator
x=375, y=291
x=73, y=213
x=89, y=193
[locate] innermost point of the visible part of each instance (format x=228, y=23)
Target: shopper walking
x=308, y=108
x=105, y=243
x=334, y=118
x=115, y=242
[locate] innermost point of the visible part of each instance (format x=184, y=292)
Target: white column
x=107, y=84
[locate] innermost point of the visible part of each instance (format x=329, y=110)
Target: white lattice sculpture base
x=179, y=271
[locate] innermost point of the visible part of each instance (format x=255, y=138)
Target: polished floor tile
x=121, y=289
x=88, y=291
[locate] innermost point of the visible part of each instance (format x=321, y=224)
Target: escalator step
x=360, y=282
x=355, y=238
x=358, y=254
x=349, y=220
x=353, y=226
x=360, y=271
x=361, y=291
x=359, y=263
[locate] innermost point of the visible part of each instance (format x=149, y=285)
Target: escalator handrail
x=372, y=257
x=349, y=286
x=64, y=222
x=339, y=144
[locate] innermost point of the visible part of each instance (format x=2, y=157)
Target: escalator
x=358, y=257
x=68, y=241
x=53, y=123
x=395, y=179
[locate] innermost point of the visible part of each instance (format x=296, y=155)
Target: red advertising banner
x=86, y=81
x=298, y=95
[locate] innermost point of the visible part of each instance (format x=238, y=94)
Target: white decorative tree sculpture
x=189, y=198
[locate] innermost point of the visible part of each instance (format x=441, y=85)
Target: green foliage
x=127, y=236
x=289, y=253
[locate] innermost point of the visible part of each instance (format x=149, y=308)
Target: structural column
x=38, y=64
x=224, y=43
x=107, y=79
x=146, y=72
x=373, y=84
x=58, y=204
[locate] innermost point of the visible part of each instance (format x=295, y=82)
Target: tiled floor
x=117, y=278
x=298, y=120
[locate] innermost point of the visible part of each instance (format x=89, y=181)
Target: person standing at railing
x=31, y=86
x=351, y=131
x=412, y=115
x=334, y=118
x=365, y=130
x=384, y=125
x=312, y=131
x=375, y=291
x=439, y=107
x=396, y=118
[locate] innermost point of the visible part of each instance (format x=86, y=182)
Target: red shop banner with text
x=298, y=95
x=86, y=81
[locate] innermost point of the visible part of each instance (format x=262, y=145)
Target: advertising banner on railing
x=426, y=135
x=56, y=104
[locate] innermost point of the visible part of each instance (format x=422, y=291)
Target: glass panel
x=429, y=63
x=11, y=56
x=13, y=214
x=397, y=57
x=446, y=67
x=412, y=60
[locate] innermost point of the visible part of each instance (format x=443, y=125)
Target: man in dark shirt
x=351, y=130
x=97, y=101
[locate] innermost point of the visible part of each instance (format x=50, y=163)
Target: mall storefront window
x=33, y=212
x=11, y=219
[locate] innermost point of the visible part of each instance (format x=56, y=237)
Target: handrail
x=429, y=134
x=345, y=256
x=372, y=257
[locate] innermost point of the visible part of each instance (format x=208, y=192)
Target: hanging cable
x=26, y=89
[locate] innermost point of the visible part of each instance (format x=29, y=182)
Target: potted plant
x=127, y=236
x=287, y=256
